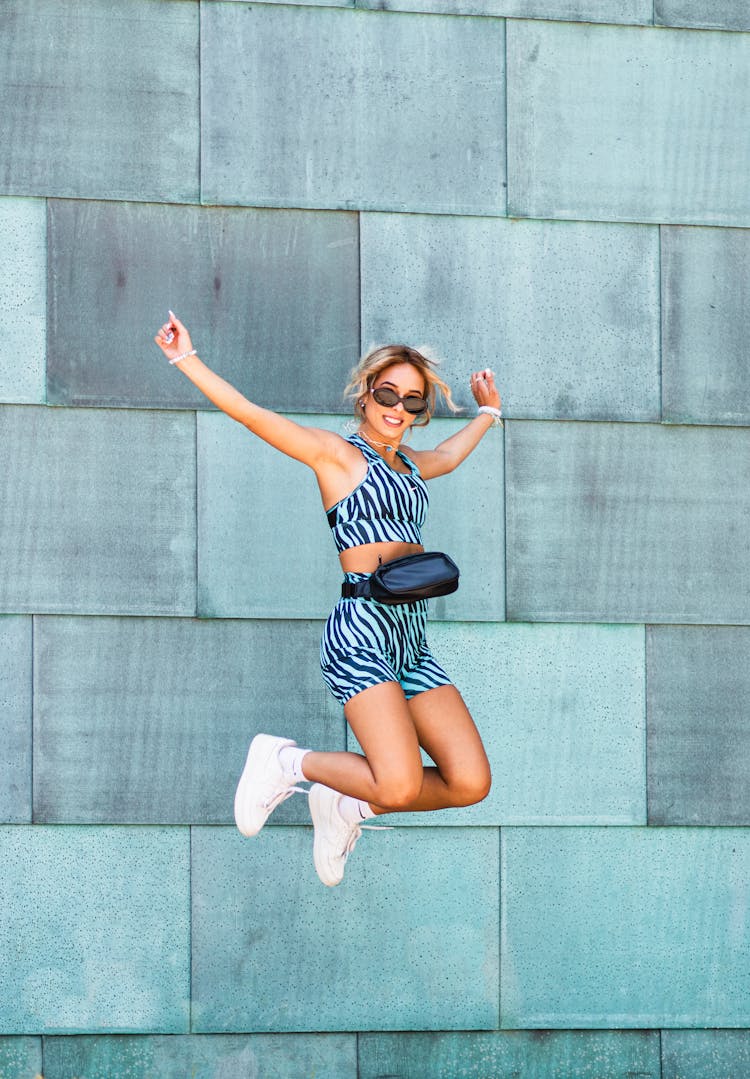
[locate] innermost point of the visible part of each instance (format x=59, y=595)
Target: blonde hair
x=378, y=359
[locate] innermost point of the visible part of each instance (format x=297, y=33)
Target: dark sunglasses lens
x=388, y=398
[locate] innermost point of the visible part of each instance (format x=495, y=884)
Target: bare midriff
x=368, y=556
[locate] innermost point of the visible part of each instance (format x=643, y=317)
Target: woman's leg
x=390, y=730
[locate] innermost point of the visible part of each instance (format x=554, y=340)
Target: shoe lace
x=281, y=796
x=355, y=833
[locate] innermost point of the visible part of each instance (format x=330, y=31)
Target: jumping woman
x=374, y=655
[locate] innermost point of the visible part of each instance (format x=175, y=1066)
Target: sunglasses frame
x=397, y=398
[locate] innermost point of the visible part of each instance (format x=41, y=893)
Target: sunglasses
x=389, y=398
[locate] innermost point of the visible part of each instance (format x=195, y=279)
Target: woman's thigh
x=382, y=720
x=445, y=729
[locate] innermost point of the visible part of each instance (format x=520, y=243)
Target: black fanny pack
x=407, y=579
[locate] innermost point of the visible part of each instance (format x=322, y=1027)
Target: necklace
x=374, y=442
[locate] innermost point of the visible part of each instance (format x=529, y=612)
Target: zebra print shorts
x=366, y=643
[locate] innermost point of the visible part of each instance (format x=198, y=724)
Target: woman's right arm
x=310, y=445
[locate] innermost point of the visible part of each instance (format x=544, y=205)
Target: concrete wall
x=555, y=188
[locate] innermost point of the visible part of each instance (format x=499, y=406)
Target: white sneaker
x=262, y=785
x=335, y=837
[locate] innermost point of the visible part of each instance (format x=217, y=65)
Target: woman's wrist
x=184, y=356
x=495, y=413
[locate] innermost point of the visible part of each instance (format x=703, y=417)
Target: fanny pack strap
x=356, y=590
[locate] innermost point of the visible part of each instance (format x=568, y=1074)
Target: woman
x=374, y=657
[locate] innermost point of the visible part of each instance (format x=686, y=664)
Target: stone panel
x=627, y=523
x=706, y=324
x=627, y=124
x=569, y=1054
x=565, y=313
x=99, y=511
x=613, y=11
x=216, y=1056
x=23, y=300
x=625, y=927
x=719, y=14
x=122, y=706
x=252, y=563
x=15, y=720
x=78, y=106
x=20, y=1058
x=95, y=929
x=367, y=111
x=271, y=298
x=561, y=710
x=698, y=726
x=421, y=937
x=705, y=1054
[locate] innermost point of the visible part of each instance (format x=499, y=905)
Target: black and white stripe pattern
x=386, y=506
x=365, y=643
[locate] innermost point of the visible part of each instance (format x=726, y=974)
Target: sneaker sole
x=318, y=812
x=262, y=748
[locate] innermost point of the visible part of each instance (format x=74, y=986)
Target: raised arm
x=449, y=454
x=311, y=445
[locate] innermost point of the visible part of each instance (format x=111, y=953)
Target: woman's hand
x=180, y=338
x=484, y=389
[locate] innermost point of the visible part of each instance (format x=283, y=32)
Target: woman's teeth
x=391, y=422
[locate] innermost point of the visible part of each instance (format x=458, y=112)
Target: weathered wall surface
x=555, y=188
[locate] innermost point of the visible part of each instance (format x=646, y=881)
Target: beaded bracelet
x=494, y=412
x=184, y=356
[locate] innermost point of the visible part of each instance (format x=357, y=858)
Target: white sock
x=290, y=759
x=354, y=810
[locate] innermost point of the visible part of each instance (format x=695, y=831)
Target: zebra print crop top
x=386, y=506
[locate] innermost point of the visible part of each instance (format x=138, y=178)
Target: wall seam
x=661, y=328
x=505, y=64
x=32, y=718
x=645, y=717
x=190, y=929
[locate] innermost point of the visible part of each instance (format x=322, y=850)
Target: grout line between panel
x=190, y=929
x=200, y=103
x=505, y=65
x=645, y=715
x=31, y=719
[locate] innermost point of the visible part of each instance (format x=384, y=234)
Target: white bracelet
x=490, y=411
x=184, y=356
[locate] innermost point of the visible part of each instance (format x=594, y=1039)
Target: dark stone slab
x=717, y=14
x=201, y=1056
x=366, y=111
x=15, y=720
x=698, y=680
x=546, y=1054
x=705, y=325
x=101, y=99
x=271, y=298
x=98, y=511
x=149, y=720
x=627, y=523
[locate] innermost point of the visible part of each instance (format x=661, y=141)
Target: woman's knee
x=395, y=792
x=470, y=789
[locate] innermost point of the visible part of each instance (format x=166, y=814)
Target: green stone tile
x=20, y=1058
x=624, y=927
x=705, y=325
x=123, y=706
x=569, y=1054
x=627, y=523
x=613, y=11
x=15, y=720
x=719, y=14
x=627, y=124
x=95, y=929
x=251, y=563
x=566, y=313
x=99, y=511
x=366, y=111
x=80, y=106
x=705, y=1054
x=199, y=1056
x=271, y=298
x=23, y=299
x=407, y=941
x=538, y=694
x=698, y=726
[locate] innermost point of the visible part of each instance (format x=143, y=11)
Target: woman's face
x=406, y=381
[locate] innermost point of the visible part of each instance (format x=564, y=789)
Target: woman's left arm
x=449, y=454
